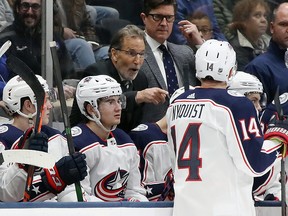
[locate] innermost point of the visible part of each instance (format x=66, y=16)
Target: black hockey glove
x=38, y=141
x=67, y=170
x=271, y=197
x=278, y=130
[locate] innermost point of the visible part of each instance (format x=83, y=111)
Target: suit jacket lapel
x=152, y=64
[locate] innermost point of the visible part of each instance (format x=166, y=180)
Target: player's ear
x=90, y=110
x=27, y=105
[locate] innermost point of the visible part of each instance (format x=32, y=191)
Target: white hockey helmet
x=245, y=83
x=16, y=89
x=216, y=59
x=92, y=88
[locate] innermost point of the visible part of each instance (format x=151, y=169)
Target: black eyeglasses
x=133, y=53
x=25, y=6
x=205, y=31
x=160, y=17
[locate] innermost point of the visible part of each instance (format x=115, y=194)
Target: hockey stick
x=283, y=175
x=5, y=47
x=58, y=79
x=20, y=68
x=29, y=157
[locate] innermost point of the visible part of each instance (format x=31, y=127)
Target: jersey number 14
x=189, y=149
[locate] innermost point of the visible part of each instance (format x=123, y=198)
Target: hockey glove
x=38, y=141
x=67, y=170
x=278, y=131
x=271, y=197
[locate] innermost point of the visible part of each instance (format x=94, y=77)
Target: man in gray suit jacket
x=158, y=17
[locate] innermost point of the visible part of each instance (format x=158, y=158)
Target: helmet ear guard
x=216, y=59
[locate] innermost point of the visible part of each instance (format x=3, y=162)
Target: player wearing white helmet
x=217, y=63
x=268, y=185
x=89, y=92
x=218, y=141
x=20, y=102
x=248, y=85
x=16, y=90
x=111, y=155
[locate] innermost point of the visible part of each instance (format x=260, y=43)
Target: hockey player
x=267, y=115
x=112, y=158
x=267, y=186
x=155, y=163
x=21, y=104
x=249, y=86
x=219, y=144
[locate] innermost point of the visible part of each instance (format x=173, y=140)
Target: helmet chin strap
x=29, y=116
x=99, y=123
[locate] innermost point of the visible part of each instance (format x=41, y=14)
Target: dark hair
x=198, y=15
x=16, y=5
x=131, y=31
x=153, y=4
x=242, y=11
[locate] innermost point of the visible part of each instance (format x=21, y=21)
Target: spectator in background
x=25, y=35
x=223, y=14
x=204, y=26
x=78, y=30
x=203, y=23
x=184, y=9
x=249, y=26
x=271, y=67
x=6, y=14
x=128, y=9
x=97, y=13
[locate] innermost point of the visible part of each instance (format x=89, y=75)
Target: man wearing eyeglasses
x=158, y=17
x=127, y=53
x=26, y=37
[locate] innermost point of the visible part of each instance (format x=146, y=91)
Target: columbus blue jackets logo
x=3, y=129
x=141, y=127
x=76, y=131
x=113, y=186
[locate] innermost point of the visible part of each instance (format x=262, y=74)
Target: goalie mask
x=216, y=59
x=245, y=83
x=16, y=89
x=90, y=89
